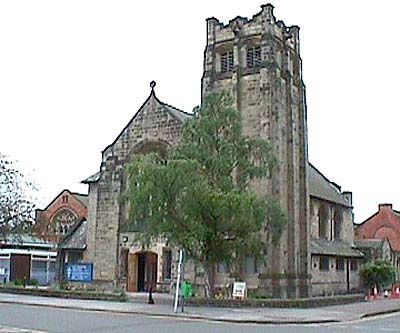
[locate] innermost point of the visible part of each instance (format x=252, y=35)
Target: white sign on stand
x=239, y=290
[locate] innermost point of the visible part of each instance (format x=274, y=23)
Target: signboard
x=239, y=290
x=79, y=272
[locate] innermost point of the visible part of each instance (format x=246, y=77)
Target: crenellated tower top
x=247, y=46
x=261, y=23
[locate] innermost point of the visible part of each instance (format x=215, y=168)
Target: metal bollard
x=151, y=300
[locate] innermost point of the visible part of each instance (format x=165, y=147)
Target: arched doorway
x=142, y=271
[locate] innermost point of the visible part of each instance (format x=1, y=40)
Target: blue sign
x=79, y=272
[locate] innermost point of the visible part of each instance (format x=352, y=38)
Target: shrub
x=119, y=291
x=18, y=282
x=379, y=273
x=33, y=282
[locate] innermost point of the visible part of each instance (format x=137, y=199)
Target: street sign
x=239, y=290
x=79, y=272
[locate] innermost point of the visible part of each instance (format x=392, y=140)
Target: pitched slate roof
x=92, y=179
x=76, y=240
x=368, y=243
x=25, y=240
x=334, y=248
x=321, y=187
x=180, y=115
x=83, y=198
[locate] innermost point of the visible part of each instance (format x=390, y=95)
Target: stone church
x=258, y=61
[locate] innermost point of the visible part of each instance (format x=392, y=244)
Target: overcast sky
x=73, y=73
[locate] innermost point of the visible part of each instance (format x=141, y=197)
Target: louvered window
x=339, y=264
x=324, y=263
x=253, y=56
x=227, y=62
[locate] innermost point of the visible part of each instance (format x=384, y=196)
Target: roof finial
x=268, y=11
x=152, y=85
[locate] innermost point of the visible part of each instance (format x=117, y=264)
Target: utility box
x=186, y=289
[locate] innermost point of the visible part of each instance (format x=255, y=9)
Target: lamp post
x=178, y=281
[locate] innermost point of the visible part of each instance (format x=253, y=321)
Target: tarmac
x=163, y=307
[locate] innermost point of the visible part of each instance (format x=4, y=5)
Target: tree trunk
x=209, y=277
x=238, y=267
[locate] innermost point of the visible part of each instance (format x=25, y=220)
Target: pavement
x=163, y=307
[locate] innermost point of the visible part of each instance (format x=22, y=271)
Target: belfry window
x=167, y=264
x=253, y=58
x=324, y=263
x=227, y=62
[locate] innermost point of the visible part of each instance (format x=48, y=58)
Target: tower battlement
x=263, y=22
x=250, y=46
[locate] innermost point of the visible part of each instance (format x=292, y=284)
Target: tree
x=200, y=199
x=380, y=273
x=16, y=204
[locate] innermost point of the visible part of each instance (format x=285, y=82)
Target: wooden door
x=132, y=272
x=20, y=267
x=151, y=271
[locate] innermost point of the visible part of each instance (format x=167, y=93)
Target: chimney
x=348, y=196
x=385, y=207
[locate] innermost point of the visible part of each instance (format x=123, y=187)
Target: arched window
x=63, y=220
x=338, y=218
x=323, y=221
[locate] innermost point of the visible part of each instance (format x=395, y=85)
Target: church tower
x=258, y=61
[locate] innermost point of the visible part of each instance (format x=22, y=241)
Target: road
x=19, y=318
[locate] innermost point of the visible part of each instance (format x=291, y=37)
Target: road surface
x=20, y=318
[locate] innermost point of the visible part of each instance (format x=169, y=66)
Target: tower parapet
x=279, y=45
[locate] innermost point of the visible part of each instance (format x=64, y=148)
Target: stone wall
x=334, y=281
x=90, y=252
x=333, y=215
x=338, y=228
x=152, y=127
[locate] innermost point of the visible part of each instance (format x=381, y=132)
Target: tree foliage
x=200, y=200
x=16, y=203
x=380, y=273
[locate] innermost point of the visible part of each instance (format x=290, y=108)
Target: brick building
x=60, y=216
x=383, y=225
x=258, y=62
x=64, y=222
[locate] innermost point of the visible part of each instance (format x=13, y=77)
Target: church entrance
x=142, y=271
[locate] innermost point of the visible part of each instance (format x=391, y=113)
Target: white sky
x=73, y=73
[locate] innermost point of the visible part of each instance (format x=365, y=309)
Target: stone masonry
x=257, y=60
x=155, y=125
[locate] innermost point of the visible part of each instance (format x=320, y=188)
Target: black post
x=151, y=300
x=183, y=281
